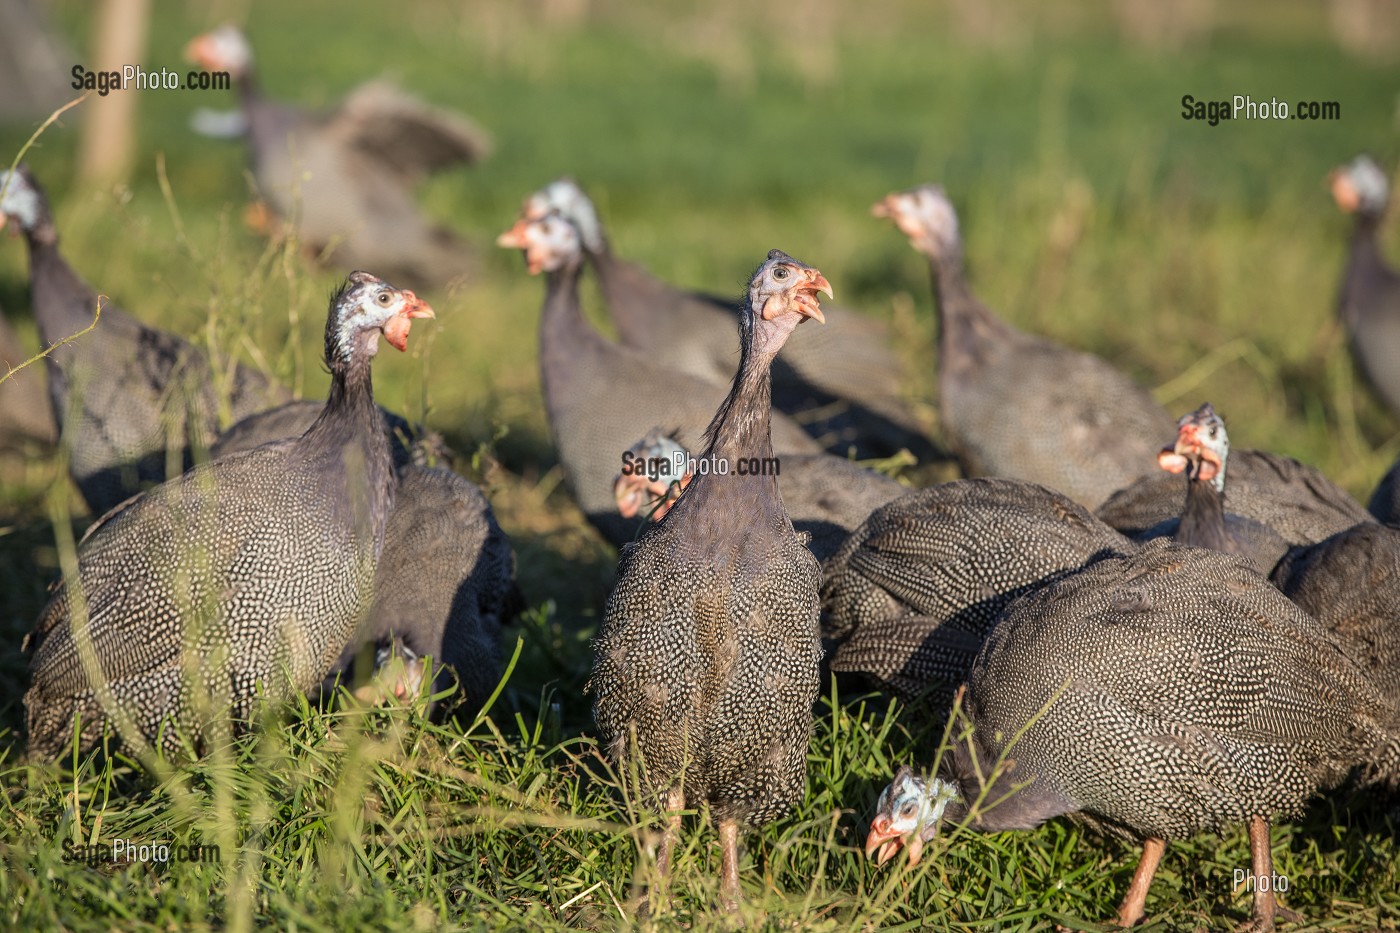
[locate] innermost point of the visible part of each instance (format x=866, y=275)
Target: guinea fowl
x=600, y=397
x=25, y=413
x=129, y=399
x=1295, y=500
x=344, y=180
x=1202, y=451
x=1019, y=406
x=444, y=587
x=944, y=561
x=1152, y=696
x=843, y=383
x=1351, y=584
x=706, y=664
x=1369, y=301
x=245, y=576
x=826, y=497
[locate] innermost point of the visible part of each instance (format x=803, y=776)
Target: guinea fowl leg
x=729, y=864
x=675, y=803
x=1266, y=905
x=1135, y=901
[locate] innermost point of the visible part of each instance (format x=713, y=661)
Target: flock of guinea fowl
x=1110, y=636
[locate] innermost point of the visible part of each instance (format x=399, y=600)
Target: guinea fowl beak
x=518, y=237
x=1189, y=451
x=885, y=840
x=1343, y=191
x=804, y=296
x=397, y=327
x=200, y=50
x=885, y=207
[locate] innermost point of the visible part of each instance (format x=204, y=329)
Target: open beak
x=518, y=237
x=1189, y=450
x=1343, y=191
x=884, y=842
x=804, y=297
x=397, y=327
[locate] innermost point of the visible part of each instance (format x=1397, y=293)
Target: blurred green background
x=1204, y=260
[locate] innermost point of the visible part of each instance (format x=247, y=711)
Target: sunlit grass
x=1203, y=260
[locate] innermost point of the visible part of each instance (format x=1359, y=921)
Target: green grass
x=1204, y=260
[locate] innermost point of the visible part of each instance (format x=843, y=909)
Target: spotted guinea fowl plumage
x=826, y=497
x=947, y=559
x=1201, y=453
x=1156, y=695
x=600, y=397
x=844, y=384
x=1369, y=300
x=444, y=585
x=1018, y=406
x=129, y=399
x=344, y=179
x=1350, y=583
x=706, y=662
x=214, y=585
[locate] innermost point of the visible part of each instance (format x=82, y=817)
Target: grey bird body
x=1368, y=301
x=1180, y=691
x=1153, y=696
x=246, y=573
x=1018, y=406
x=444, y=585
x=1350, y=583
x=945, y=561
x=706, y=663
x=344, y=180
x=131, y=400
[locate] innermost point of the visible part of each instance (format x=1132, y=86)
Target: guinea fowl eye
x=780, y=272
x=383, y=298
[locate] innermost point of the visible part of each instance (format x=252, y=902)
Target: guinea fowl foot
x=1134, y=902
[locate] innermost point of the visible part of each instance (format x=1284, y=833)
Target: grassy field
x=1202, y=259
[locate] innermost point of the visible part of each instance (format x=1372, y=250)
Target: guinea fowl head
x=926, y=216
x=222, y=49
x=1361, y=187
x=1202, y=448
x=564, y=197
x=782, y=294
x=908, y=814
x=653, y=476
x=365, y=307
x=549, y=241
x=22, y=201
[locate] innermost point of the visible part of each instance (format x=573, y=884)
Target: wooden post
x=108, y=141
